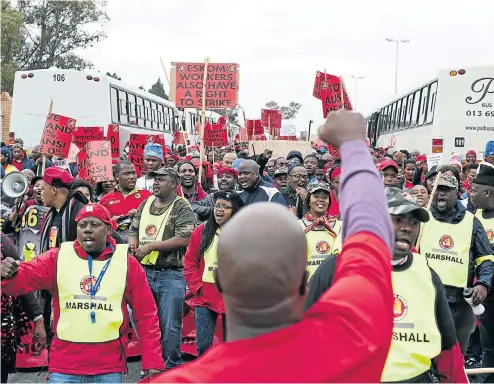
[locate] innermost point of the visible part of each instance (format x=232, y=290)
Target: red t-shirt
x=17, y=164
x=120, y=205
x=344, y=337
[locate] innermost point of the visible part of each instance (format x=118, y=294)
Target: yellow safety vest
x=319, y=245
x=152, y=227
x=211, y=260
x=488, y=225
x=447, y=249
x=10, y=168
x=74, y=295
x=416, y=337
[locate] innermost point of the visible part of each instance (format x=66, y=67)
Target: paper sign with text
x=57, y=136
x=94, y=162
x=216, y=136
x=113, y=136
x=331, y=96
x=288, y=129
x=83, y=135
x=221, y=85
x=242, y=135
x=271, y=118
x=72, y=157
x=435, y=159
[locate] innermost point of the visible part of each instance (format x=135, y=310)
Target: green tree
x=51, y=33
x=115, y=76
x=158, y=89
x=287, y=111
x=142, y=88
x=231, y=113
x=13, y=37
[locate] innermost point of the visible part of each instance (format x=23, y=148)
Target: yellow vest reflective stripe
x=488, y=225
x=416, y=337
x=319, y=245
x=211, y=260
x=447, y=249
x=73, y=282
x=152, y=227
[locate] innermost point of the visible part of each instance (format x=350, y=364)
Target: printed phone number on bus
x=479, y=113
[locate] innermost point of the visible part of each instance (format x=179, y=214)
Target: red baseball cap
x=57, y=177
x=388, y=163
x=98, y=211
x=421, y=158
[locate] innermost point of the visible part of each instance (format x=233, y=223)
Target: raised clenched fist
x=342, y=126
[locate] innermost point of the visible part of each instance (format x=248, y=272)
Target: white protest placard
x=288, y=129
x=280, y=147
x=435, y=159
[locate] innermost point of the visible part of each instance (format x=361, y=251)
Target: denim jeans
x=205, y=326
x=464, y=320
x=55, y=377
x=168, y=287
x=487, y=336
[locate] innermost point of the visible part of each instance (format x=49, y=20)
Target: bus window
x=147, y=114
x=416, y=106
x=408, y=120
x=122, y=95
x=423, y=106
x=393, y=117
x=132, y=105
x=403, y=112
x=114, y=105
x=140, y=112
x=431, y=104
x=398, y=114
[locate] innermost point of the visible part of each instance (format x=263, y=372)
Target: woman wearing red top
x=334, y=208
x=199, y=265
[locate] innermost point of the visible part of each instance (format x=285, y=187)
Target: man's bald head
x=228, y=159
x=249, y=165
x=262, y=276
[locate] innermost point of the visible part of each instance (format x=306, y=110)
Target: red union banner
x=113, y=136
x=221, y=85
x=321, y=82
x=216, y=136
x=254, y=127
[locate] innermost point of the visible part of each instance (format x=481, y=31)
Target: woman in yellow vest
x=199, y=265
x=320, y=231
x=424, y=346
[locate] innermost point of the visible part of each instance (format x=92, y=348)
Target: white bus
x=453, y=112
x=92, y=99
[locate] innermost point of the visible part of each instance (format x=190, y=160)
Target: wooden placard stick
x=203, y=116
x=342, y=86
x=43, y=165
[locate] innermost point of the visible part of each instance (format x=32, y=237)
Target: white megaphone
x=15, y=184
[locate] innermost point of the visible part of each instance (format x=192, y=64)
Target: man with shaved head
x=346, y=335
x=255, y=189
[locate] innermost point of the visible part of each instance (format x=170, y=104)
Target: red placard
x=113, y=136
x=94, y=162
x=321, y=82
x=243, y=137
x=258, y=137
x=83, y=135
x=254, y=127
x=57, y=135
x=29, y=355
x=215, y=136
x=292, y=138
x=158, y=139
x=221, y=85
x=178, y=138
x=137, y=142
x=271, y=118
x=331, y=96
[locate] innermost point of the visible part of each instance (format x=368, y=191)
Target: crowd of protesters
x=180, y=232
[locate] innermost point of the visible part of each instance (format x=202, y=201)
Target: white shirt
x=145, y=183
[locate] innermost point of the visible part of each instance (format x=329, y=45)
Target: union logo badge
x=138, y=195
x=231, y=68
x=151, y=230
x=490, y=234
x=400, y=307
x=446, y=242
x=322, y=247
x=86, y=284
x=323, y=85
x=180, y=68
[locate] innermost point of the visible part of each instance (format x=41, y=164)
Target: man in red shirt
x=123, y=201
x=92, y=280
x=346, y=335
